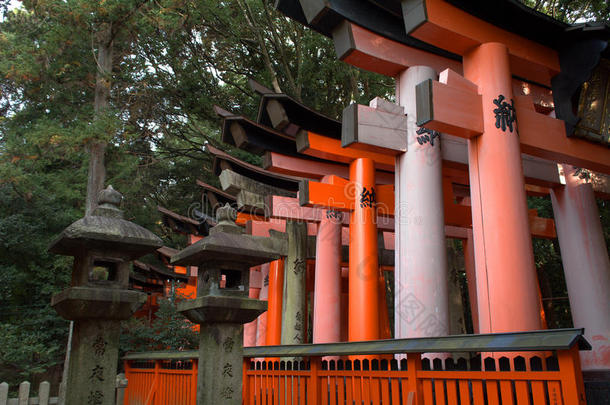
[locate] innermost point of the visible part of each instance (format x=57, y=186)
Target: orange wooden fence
x=549, y=375
x=411, y=382
x=161, y=382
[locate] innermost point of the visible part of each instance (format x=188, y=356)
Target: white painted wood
x=43, y=393
x=121, y=386
x=382, y=104
x=24, y=393
x=3, y=393
x=586, y=264
x=421, y=292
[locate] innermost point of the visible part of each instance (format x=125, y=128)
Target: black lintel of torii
x=181, y=224
x=216, y=197
x=285, y=114
x=223, y=160
x=253, y=137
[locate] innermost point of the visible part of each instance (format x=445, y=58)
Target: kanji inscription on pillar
x=227, y=370
x=228, y=345
x=99, y=346
x=97, y=374
x=227, y=392
x=298, y=327
x=95, y=398
x=334, y=215
x=426, y=135
x=300, y=265
x=505, y=113
x=367, y=198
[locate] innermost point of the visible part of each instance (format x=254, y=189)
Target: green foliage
x=169, y=330
x=572, y=11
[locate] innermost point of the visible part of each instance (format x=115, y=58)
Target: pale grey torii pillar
x=585, y=262
x=421, y=294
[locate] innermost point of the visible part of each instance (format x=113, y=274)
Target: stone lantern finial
x=108, y=201
x=225, y=218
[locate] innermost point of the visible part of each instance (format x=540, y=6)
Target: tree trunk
x=97, y=147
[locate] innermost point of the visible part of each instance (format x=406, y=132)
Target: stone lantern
x=103, y=245
x=222, y=312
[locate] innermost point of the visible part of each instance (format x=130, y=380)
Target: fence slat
x=3, y=393
x=24, y=393
x=43, y=393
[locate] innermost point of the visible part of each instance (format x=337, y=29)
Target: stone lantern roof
x=228, y=244
x=106, y=230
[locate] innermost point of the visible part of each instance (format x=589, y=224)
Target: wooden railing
x=532, y=368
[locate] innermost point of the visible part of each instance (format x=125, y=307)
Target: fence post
x=414, y=384
x=313, y=390
x=572, y=386
x=245, y=382
x=43, y=393
x=24, y=393
x=121, y=385
x=194, y=376
x=3, y=393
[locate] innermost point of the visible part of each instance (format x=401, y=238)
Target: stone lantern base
x=219, y=379
x=97, y=314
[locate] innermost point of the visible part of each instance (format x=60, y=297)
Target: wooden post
x=572, y=386
x=24, y=393
x=327, y=289
x=415, y=386
x=194, y=373
x=421, y=295
x=363, y=261
x=313, y=388
x=246, y=394
x=3, y=393
x=261, y=322
x=506, y=276
x=274, y=312
x=121, y=387
x=585, y=263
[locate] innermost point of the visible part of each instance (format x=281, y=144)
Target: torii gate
x=364, y=200
x=441, y=33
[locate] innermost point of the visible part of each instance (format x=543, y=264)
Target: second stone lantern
x=222, y=311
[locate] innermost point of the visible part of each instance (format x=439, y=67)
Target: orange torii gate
x=364, y=200
x=504, y=51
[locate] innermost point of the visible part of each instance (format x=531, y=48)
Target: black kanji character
x=427, y=135
x=505, y=113
x=367, y=198
x=97, y=373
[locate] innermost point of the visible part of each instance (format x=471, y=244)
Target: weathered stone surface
x=97, y=303
x=219, y=379
x=236, y=248
x=233, y=183
x=93, y=362
x=293, y=320
x=102, y=245
x=222, y=309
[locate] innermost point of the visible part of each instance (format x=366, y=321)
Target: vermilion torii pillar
x=327, y=280
x=505, y=264
x=362, y=198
